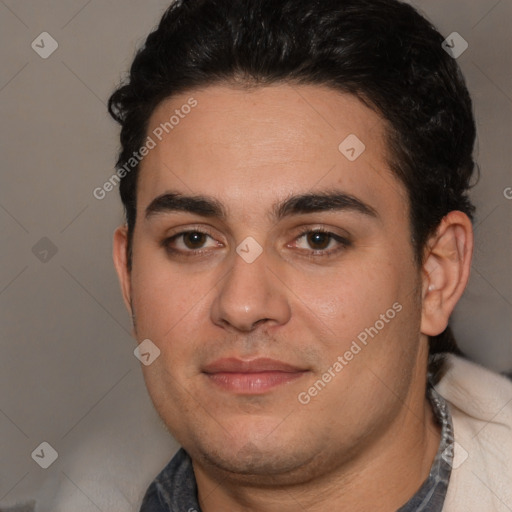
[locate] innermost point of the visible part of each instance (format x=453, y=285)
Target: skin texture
x=367, y=439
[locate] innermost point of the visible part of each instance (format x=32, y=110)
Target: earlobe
x=119, y=255
x=446, y=270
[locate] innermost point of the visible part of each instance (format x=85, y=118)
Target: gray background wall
x=67, y=371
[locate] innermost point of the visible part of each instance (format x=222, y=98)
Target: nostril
x=260, y=321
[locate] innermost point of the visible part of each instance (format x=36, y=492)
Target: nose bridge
x=250, y=292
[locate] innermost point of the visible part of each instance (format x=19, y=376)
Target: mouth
x=252, y=377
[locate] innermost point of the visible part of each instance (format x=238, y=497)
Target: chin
x=263, y=463
x=254, y=451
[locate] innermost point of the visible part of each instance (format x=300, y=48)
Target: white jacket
x=481, y=406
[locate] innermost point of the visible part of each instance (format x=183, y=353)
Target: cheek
x=163, y=298
x=346, y=299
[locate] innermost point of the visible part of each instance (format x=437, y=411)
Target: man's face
x=244, y=336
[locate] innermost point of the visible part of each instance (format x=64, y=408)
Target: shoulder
x=480, y=402
x=476, y=392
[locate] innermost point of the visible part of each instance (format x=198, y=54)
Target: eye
x=192, y=242
x=321, y=242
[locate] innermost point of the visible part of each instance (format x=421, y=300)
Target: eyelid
x=171, y=237
x=181, y=230
x=343, y=242
x=321, y=229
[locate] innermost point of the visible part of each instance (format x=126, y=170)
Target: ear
x=119, y=255
x=446, y=269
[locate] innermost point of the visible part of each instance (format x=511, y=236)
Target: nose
x=250, y=294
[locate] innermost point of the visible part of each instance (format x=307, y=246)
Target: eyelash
x=343, y=242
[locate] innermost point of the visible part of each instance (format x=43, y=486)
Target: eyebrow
x=207, y=206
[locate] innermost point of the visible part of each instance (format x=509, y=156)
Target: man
x=295, y=177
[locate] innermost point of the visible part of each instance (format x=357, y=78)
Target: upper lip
x=262, y=364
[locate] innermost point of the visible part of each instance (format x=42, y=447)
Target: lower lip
x=252, y=383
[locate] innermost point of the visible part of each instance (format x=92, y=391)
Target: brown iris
x=318, y=241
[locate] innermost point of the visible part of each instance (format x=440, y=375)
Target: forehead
x=265, y=143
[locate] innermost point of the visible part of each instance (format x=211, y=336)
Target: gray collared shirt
x=175, y=489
